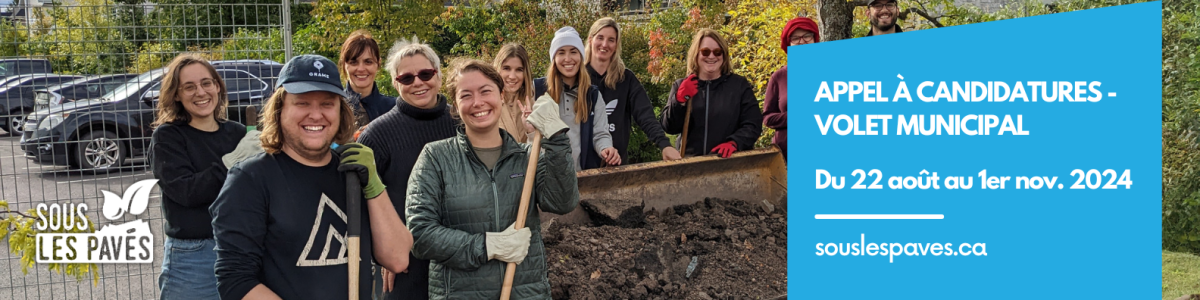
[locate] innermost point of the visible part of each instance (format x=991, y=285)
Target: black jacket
x=588, y=159
x=375, y=104
x=724, y=109
x=626, y=104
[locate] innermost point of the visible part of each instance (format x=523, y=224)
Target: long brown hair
x=465, y=65
x=512, y=50
x=170, y=110
x=693, y=64
x=271, y=138
x=616, y=67
x=554, y=88
x=359, y=41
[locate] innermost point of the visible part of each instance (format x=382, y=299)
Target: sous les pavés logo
x=130, y=242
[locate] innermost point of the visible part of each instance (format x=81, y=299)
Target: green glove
x=361, y=160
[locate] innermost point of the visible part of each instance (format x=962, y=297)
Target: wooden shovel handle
x=687, y=120
x=523, y=210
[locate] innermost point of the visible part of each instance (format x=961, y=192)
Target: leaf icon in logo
x=135, y=200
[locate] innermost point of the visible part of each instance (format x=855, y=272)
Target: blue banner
x=1017, y=159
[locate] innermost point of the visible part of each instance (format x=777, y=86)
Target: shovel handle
x=523, y=210
x=353, y=230
x=687, y=120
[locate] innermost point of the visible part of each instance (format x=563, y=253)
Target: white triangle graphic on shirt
x=610, y=106
x=333, y=234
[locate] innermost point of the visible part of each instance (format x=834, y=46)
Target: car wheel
x=100, y=150
x=13, y=123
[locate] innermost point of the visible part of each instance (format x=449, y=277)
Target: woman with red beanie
x=799, y=31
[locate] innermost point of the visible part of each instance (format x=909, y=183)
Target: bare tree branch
x=904, y=15
x=16, y=212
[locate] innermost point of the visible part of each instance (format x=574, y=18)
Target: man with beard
x=280, y=221
x=882, y=16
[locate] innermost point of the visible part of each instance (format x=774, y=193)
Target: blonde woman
x=624, y=97
x=725, y=114
x=513, y=64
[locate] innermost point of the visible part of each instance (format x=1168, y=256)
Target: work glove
x=247, y=147
x=725, y=149
x=687, y=89
x=361, y=160
x=544, y=117
x=510, y=245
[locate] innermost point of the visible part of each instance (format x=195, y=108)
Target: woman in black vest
x=578, y=101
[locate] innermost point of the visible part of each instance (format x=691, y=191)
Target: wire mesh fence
x=78, y=87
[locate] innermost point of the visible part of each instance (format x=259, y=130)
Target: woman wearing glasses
x=725, y=117
x=798, y=31
x=421, y=116
x=191, y=136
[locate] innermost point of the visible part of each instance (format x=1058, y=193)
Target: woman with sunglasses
x=626, y=99
x=798, y=31
x=421, y=116
x=725, y=117
x=465, y=191
x=359, y=59
x=579, y=102
x=513, y=63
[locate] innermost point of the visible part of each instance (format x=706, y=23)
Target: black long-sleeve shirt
x=283, y=224
x=187, y=163
x=397, y=138
x=628, y=103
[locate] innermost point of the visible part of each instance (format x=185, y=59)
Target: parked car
x=99, y=134
x=22, y=66
x=16, y=97
x=83, y=88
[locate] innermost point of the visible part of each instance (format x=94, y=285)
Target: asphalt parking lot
x=26, y=183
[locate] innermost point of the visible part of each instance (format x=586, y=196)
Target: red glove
x=687, y=88
x=725, y=149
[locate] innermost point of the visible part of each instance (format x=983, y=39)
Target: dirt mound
x=715, y=249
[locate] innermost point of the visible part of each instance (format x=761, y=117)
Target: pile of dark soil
x=715, y=249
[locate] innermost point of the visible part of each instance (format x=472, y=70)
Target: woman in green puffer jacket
x=464, y=193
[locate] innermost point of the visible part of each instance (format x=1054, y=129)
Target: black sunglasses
x=408, y=78
x=714, y=52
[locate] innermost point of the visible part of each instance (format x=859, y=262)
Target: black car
x=22, y=66
x=83, y=88
x=99, y=134
x=16, y=97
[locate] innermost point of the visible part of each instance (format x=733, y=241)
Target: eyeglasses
x=206, y=84
x=803, y=38
x=714, y=52
x=888, y=5
x=408, y=78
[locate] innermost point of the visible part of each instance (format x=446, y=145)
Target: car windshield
x=70, y=83
x=13, y=83
x=133, y=86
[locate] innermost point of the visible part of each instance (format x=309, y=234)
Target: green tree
x=189, y=23
x=80, y=40
x=19, y=229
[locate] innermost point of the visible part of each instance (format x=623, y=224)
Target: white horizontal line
x=1111, y=94
x=878, y=217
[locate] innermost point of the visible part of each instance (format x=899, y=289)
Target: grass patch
x=1180, y=274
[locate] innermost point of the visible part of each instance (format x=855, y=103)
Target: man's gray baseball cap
x=310, y=73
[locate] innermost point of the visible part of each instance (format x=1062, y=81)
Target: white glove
x=510, y=245
x=544, y=117
x=247, y=147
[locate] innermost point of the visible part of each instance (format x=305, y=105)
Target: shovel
x=523, y=210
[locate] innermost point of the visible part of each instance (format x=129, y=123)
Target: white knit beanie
x=566, y=36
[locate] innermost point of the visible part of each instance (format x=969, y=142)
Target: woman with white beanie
x=591, y=142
